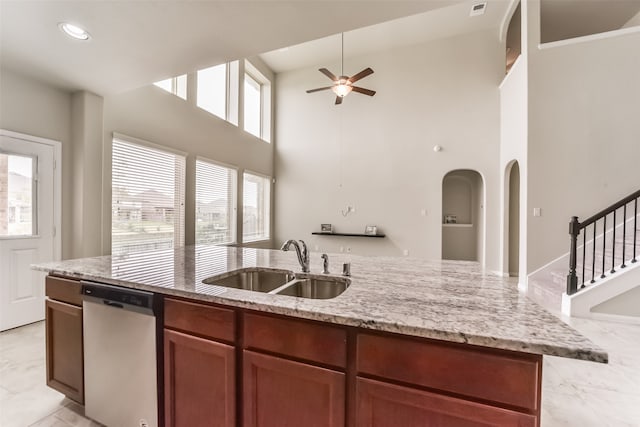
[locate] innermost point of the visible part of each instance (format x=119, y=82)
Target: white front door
x=27, y=221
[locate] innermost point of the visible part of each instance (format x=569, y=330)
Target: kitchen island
x=408, y=341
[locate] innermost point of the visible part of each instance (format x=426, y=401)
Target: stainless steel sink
x=316, y=287
x=282, y=282
x=252, y=279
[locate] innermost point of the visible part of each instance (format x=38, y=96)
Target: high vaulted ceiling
x=135, y=43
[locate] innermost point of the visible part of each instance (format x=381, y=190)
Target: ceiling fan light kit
x=343, y=85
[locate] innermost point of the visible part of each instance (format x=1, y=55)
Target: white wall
x=625, y=304
x=584, y=132
x=376, y=153
x=31, y=107
x=151, y=114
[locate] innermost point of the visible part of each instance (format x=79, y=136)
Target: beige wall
x=584, y=132
x=376, y=154
x=34, y=108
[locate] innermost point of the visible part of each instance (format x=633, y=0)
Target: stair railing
x=576, y=228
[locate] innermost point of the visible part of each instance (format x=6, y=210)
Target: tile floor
x=575, y=393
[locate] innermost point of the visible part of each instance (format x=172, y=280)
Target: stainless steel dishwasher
x=120, y=370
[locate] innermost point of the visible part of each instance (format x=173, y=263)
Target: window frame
x=269, y=181
x=179, y=241
x=264, y=84
x=233, y=204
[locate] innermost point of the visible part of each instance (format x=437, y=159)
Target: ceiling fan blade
x=328, y=74
x=363, y=90
x=319, y=89
x=361, y=74
x=338, y=100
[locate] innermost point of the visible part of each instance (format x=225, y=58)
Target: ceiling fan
x=343, y=85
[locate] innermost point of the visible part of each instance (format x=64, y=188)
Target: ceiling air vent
x=478, y=9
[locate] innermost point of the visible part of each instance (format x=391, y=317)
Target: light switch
x=423, y=212
x=537, y=212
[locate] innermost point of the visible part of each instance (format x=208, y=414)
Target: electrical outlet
x=406, y=252
x=423, y=212
x=341, y=248
x=537, y=212
x=315, y=248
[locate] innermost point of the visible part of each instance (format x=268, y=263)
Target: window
x=217, y=91
x=147, y=202
x=17, y=201
x=257, y=103
x=216, y=191
x=256, y=199
x=175, y=85
x=252, y=106
x=212, y=90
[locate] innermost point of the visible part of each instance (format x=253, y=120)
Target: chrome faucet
x=303, y=254
x=325, y=263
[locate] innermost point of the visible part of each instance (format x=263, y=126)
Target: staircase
x=603, y=259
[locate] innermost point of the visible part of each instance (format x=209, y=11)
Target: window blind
x=216, y=191
x=147, y=201
x=256, y=197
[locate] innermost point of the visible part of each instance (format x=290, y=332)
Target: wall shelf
x=318, y=233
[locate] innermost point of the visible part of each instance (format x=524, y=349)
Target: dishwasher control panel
x=118, y=297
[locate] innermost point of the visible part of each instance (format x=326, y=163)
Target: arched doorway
x=513, y=173
x=463, y=216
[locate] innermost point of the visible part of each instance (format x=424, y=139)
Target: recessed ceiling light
x=74, y=31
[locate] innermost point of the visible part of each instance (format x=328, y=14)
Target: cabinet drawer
x=382, y=404
x=489, y=375
x=65, y=290
x=304, y=340
x=200, y=319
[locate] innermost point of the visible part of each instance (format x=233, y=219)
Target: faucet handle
x=346, y=269
x=325, y=263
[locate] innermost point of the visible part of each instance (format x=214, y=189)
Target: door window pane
x=17, y=201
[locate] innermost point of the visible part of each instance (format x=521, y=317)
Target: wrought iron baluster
x=613, y=244
x=624, y=235
x=604, y=244
x=584, y=253
x=593, y=256
x=635, y=229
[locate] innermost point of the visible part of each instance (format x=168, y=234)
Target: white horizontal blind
x=256, y=210
x=216, y=190
x=147, y=201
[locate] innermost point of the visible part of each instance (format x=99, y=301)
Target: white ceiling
x=135, y=43
x=411, y=30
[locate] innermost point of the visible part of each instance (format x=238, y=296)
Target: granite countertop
x=445, y=300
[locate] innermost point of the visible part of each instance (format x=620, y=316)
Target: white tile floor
x=575, y=393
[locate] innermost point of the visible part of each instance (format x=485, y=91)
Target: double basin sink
x=282, y=282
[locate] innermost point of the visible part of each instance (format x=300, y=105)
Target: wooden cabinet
x=63, y=318
x=280, y=393
x=383, y=404
x=295, y=372
x=199, y=381
x=199, y=370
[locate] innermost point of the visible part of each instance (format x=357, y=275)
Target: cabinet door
x=199, y=381
x=282, y=393
x=383, y=404
x=65, y=371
